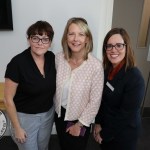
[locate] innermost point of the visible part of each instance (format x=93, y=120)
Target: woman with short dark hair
x=30, y=82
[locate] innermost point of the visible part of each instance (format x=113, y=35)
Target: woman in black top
x=118, y=122
x=29, y=89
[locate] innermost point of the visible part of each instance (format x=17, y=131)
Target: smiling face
x=38, y=48
x=115, y=56
x=76, y=39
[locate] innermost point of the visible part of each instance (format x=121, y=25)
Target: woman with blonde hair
x=79, y=85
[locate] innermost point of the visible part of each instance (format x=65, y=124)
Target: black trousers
x=120, y=145
x=67, y=141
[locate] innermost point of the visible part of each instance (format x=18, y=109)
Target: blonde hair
x=82, y=23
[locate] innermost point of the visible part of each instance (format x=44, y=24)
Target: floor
x=6, y=142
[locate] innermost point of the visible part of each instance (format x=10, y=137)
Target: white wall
x=98, y=13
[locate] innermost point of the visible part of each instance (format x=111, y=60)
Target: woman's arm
x=9, y=93
x=95, y=95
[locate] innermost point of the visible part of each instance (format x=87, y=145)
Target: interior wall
x=98, y=14
x=127, y=14
x=142, y=39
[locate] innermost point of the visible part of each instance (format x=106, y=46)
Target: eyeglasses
x=118, y=46
x=36, y=39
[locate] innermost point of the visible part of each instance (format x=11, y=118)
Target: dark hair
x=82, y=23
x=40, y=27
x=129, y=57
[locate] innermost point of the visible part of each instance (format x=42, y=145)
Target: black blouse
x=34, y=92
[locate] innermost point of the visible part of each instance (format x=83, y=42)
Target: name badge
x=110, y=86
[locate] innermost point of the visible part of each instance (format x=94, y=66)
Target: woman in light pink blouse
x=79, y=86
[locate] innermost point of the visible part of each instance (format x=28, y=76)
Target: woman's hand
x=74, y=130
x=20, y=135
x=96, y=133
